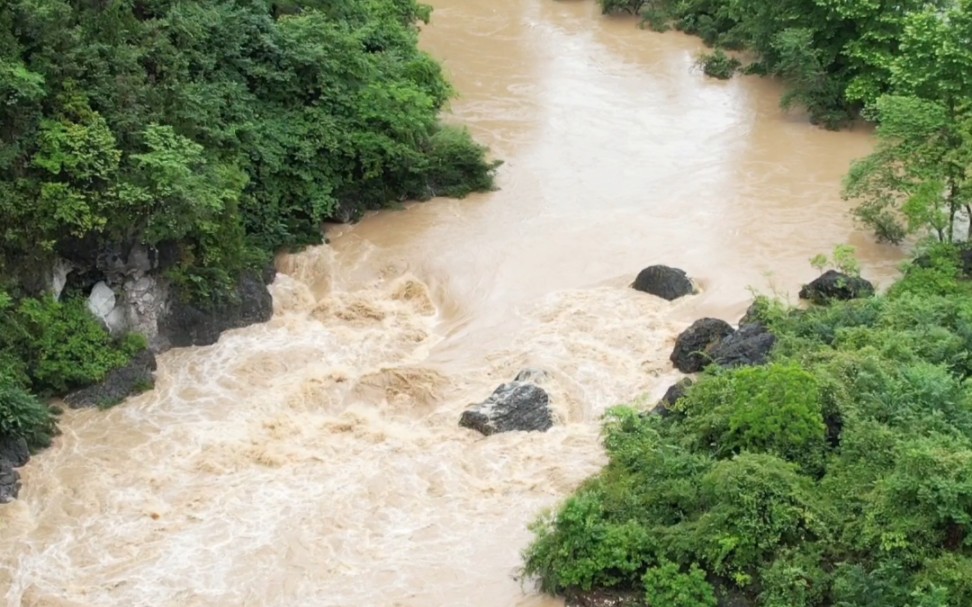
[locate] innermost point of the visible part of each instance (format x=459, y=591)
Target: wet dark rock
x=663, y=281
x=965, y=260
x=188, y=325
x=9, y=482
x=605, y=598
x=750, y=345
x=134, y=378
x=14, y=450
x=268, y=274
x=834, y=285
x=517, y=405
x=671, y=396
x=693, y=346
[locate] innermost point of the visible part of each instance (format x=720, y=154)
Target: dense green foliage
x=837, y=56
x=918, y=179
x=23, y=415
x=839, y=474
x=226, y=129
x=50, y=347
x=54, y=347
x=216, y=131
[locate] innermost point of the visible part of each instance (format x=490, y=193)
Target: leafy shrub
x=22, y=415
x=718, y=64
x=62, y=345
x=621, y=6
x=578, y=549
x=456, y=165
x=666, y=584
x=843, y=259
x=773, y=409
x=757, y=504
x=936, y=271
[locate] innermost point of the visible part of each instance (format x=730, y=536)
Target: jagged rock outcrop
x=127, y=290
x=517, y=405
x=693, y=345
x=750, y=345
x=663, y=281
x=184, y=324
x=9, y=482
x=833, y=285
x=134, y=378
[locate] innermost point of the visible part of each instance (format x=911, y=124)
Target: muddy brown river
x=316, y=459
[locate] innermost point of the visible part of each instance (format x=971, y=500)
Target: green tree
x=917, y=178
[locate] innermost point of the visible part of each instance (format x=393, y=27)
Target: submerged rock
x=517, y=405
x=189, y=325
x=834, y=285
x=663, y=281
x=133, y=378
x=14, y=450
x=693, y=347
x=537, y=376
x=9, y=482
x=750, y=345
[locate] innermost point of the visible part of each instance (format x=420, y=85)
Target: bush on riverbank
x=838, y=474
x=53, y=347
x=718, y=64
x=49, y=347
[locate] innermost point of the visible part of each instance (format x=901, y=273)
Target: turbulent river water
x=316, y=459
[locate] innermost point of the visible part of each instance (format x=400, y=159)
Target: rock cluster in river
x=713, y=341
x=663, y=281
x=710, y=341
x=693, y=345
x=517, y=405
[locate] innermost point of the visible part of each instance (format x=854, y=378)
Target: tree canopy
x=217, y=131
x=225, y=128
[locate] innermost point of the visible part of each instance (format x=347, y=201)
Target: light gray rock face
x=146, y=302
x=59, y=274
x=101, y=301
x=128, y=292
